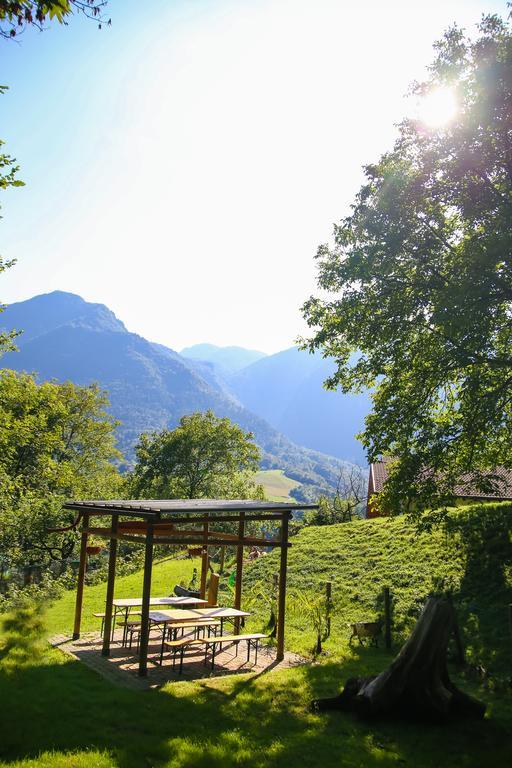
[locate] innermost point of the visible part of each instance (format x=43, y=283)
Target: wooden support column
x=239, y=569
x=81, y=577
x=146, y=594
x=204, y=560
x=112, y=556
x=281, y=601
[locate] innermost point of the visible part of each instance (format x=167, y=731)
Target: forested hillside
x=150, y=386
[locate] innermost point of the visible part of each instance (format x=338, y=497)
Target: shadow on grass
x=486, y=588
x=251, y=721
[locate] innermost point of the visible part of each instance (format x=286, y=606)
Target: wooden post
x=146, y=594
x=112, y=555
x=281, y=607
x=81, y=577
x=387, y=618
x=328, y=593
x=204, y=560
x=239, y=569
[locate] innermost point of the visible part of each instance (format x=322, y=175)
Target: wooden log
x=416, y=685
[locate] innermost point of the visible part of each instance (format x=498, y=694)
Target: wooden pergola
x=189, y=522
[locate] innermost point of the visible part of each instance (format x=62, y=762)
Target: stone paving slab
x=121, y=667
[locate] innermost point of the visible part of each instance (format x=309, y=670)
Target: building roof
x=157, y=507
x=466, y=488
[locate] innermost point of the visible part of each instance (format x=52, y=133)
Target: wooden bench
x=178, y=646
x=197, y=624
x=102, y=617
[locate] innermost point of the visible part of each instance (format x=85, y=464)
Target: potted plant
x=94, y=546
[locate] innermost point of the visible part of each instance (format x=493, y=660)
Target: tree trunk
x=416, y=684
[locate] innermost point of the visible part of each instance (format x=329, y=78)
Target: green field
x=57, y=713
x=276, y=485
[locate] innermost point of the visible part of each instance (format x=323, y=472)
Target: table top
x=197, y=613
x=136, y=602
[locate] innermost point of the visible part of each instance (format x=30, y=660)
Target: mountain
x=226, y=360
x=150, y=386
x=287, y=390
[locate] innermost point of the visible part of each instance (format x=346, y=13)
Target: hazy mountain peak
x=226, y=359
x=49, y=311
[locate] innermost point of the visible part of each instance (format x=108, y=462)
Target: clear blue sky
x=183, y=165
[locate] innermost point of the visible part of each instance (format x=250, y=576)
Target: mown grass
x=471, y=557
x=166, y=573
x=58, y=713
x=276, y=484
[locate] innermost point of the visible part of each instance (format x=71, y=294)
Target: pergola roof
x=185, y=506
x=160, y=524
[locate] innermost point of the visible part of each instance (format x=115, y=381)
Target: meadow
x=58, y=713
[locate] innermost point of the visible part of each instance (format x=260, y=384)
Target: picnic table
x=190, y=615
x=125, y=604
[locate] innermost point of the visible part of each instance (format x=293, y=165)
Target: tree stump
x=416, y=684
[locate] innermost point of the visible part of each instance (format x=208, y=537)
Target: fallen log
x=416, y=684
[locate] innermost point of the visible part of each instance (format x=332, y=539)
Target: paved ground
x=121, y=667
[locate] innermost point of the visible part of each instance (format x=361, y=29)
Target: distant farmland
x=277, y=486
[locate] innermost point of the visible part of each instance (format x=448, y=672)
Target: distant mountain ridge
x=227, y=359
x=286, y=389
x=150, y=386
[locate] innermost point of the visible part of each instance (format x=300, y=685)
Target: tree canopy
x=419, y=283
x=204, y=457
x=56, y=442
x=17, y=15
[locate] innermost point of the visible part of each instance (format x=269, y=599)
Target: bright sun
x=437, y=108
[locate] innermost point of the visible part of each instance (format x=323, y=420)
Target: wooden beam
x=81, y=578
x=146, y=594
x=218, y=540
x=204, y=560
x=239, y=569
x=107, y=511
x=281, y=605
x=112, y=556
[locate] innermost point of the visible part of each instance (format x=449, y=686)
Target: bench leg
x=181, y=659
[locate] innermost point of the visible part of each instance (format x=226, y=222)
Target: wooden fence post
x=387, y=618
x=328, y=593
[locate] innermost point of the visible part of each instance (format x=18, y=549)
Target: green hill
x=265, y=721
x=276, y=484
x=471, y=556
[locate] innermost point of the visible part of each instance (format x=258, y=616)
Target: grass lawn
x=56, y=712
x=166, y=574
x=275, y=483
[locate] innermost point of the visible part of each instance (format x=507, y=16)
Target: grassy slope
x=473, y=559
x=276, y=484
x=166, y=574
x=78, y=719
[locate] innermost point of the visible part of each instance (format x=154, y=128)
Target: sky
x=183, y=165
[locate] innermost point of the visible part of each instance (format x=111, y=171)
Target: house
x=465, y=491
